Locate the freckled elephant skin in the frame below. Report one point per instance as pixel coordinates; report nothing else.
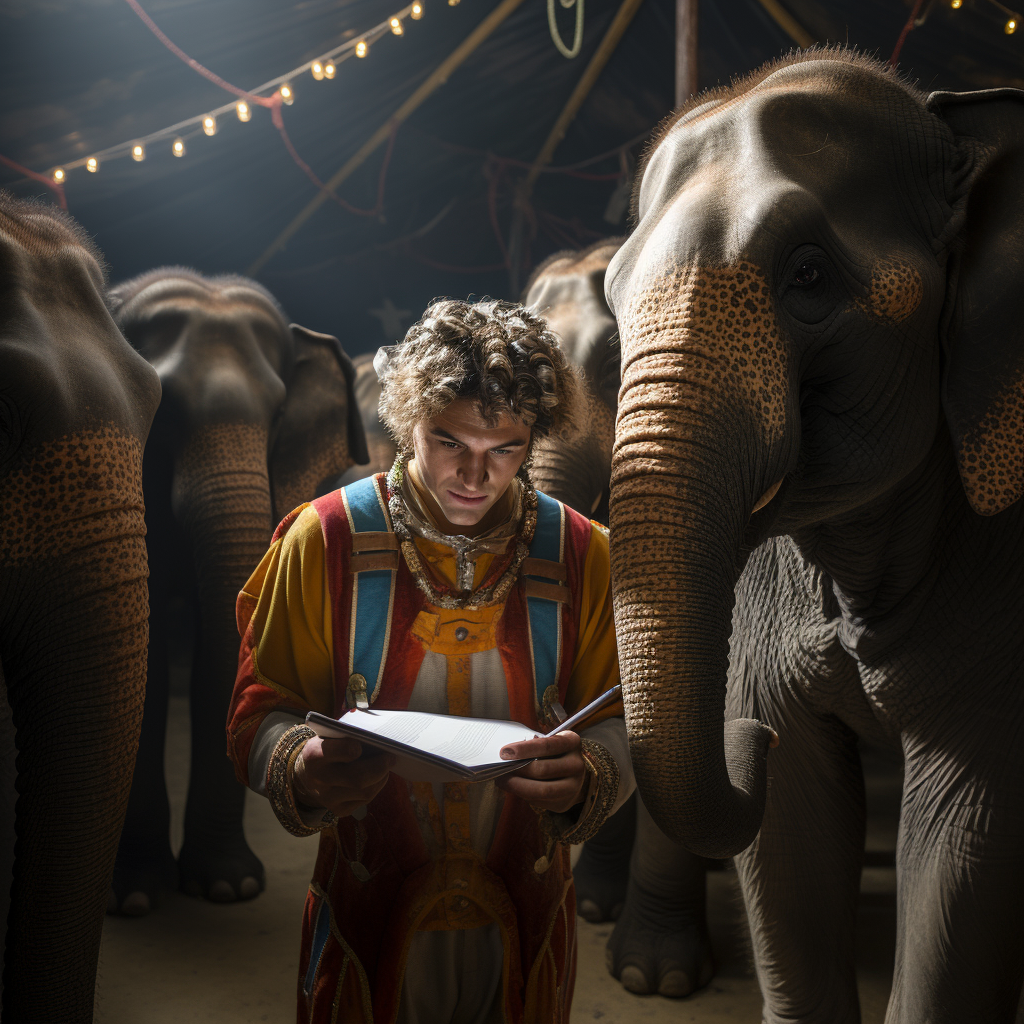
(655, 894)
(75, 406)
(821, 290)
(256, 416)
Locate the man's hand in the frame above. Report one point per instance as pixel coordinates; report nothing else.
(556, 783)
(331, 773)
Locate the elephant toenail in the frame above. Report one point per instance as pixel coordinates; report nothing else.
(675, 985)
(222, 892)
(136, 904)
(634, 980)
(248, 888)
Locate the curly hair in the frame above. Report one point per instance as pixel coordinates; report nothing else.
(498, 353)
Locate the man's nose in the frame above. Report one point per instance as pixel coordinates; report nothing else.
(474, 470)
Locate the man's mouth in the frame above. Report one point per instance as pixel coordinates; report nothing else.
(467, 499)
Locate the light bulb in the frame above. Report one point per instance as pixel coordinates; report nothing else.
(453, 3)
(287, 96)
(92, 165)
(956, 4)
(396, 26)
(417, 12)
(1010, 27)
(243, 110)
(329, 69)
(59, 175)
(178, 148)
(139, 151)
(210, 124)
(317, 70)
(361, 48)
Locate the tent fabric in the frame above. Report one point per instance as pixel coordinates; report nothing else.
(80, 75)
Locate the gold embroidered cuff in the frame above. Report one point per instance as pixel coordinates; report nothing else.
(603, 773)
(280, 772)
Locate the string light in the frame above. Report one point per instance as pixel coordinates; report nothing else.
(178, 149)
(396, 26)
(92, 165)
(453, 3)
(59, 175)
(317, 70)
(361, 48)
(329, 69)
(957, 4)
(210, 124)
(417, 11)
(287, 96)
(243, 110)
(1010, 27)
(139, 151)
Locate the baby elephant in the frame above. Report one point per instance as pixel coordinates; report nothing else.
(255, 415)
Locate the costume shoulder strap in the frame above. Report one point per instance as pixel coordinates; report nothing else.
(544, 575)
(373, 567)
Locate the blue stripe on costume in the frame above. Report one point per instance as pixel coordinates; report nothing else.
(321, 930)
(372, 591)
(546, 616)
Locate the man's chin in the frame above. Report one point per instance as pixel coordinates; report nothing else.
(465, 516)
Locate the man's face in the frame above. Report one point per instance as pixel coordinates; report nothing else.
(465, 464)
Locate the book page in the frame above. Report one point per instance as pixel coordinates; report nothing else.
(470, 742)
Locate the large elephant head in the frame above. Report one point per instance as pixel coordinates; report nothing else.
(567, 289)
(818, 302)
(76, 403)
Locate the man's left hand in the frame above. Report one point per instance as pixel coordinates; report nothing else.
(557, 782)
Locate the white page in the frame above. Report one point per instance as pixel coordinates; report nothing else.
(471, 742)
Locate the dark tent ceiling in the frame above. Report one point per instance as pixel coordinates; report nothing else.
(81, 75)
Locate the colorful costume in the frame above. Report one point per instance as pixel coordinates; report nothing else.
(437, 901)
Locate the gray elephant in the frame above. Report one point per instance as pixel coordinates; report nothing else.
(816, 517)
(255, 416)
(380, 446)
(629, 872)
(76, 404)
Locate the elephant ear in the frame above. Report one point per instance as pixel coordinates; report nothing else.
(319, 433)
(983, 377)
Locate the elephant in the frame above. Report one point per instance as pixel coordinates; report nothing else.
(816, 525)
(255, 416)
(629, 872)
(379, 443)
(76, 404)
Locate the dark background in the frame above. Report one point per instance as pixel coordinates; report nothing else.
(80, 75)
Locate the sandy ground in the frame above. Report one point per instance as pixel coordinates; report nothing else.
(196, 961)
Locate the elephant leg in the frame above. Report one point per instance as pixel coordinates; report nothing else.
(959, 863)
(145, 867)
(215, 861)
(660, 942)
(602, 871)
(801, 875)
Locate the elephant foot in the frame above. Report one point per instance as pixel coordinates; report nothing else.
(602, 872)
(137, 887)
(223, 874)
(659, 948)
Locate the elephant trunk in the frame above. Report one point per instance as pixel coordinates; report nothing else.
(221, 498)
(679, 505)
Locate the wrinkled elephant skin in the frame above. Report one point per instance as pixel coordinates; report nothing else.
(819, 320)
(75, 406)
(256, 417)
(654, 892)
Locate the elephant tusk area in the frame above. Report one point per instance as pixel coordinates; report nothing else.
(767, 496)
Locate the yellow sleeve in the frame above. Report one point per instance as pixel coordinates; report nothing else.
(293, 650)
(596, 665)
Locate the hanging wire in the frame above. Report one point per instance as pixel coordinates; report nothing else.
(556, 37)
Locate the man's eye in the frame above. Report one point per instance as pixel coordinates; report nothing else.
(501, 451)
(450, 444)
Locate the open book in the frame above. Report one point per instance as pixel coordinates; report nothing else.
(442, 748)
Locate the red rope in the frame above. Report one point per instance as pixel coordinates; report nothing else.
(54, 186)
(894, 59)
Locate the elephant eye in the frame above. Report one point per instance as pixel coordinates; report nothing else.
(805, 275)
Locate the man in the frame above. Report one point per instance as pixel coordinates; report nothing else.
(448, 586)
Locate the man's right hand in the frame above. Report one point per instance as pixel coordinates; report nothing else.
(331, 773)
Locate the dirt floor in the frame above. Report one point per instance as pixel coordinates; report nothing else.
(191, 960)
